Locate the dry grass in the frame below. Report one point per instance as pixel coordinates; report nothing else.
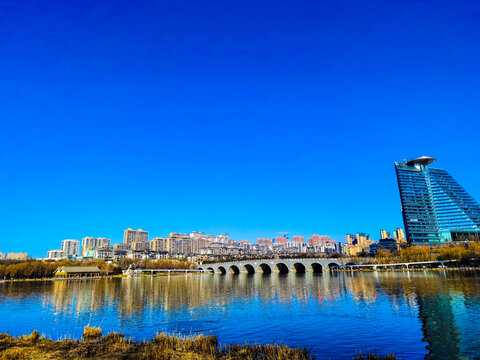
(162, 347)
(92, 333)
(115, 346)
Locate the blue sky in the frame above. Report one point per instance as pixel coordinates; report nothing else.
(245, 117)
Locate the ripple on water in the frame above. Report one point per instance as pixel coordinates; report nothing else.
(333, 315)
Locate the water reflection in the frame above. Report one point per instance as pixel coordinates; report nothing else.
(383, 311)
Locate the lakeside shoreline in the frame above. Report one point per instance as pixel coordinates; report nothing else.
(95, 345)
(93, 278)
(111, 277)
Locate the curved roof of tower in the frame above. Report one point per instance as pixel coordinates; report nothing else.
(424, 160)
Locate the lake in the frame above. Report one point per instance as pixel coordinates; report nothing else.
(415, 315)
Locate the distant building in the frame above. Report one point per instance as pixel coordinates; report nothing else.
(88, 255)
(350, 239)
(325, 240)
(198, 244)
(120, 246)
(93, 243)
(384, 234)
(400, 236)
(180, 244)
(314, 241)
(159, 244)
(388, 244)
(2, 256)
(435, 207)
(280, 240)
(139, 245)
(327, 245)
(197, 235)
(130, 236)
(298, 239)
(103, 254)
(17, 256)
(339, 247)
(358, 243)
(56, 255)
(71, 247)
(352, 250)
(222, 238)
(264, 242)
(363, 239)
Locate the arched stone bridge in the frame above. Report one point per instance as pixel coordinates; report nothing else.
(282, 266)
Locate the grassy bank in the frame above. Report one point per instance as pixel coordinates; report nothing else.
(94, 345)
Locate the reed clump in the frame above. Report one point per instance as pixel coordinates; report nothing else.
(92, 333)
(94, 345)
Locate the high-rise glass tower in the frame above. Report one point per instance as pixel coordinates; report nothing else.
(435, 207)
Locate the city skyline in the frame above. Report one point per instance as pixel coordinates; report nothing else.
(276, 236)
(139, 240)
(246, 118)
(84, 242)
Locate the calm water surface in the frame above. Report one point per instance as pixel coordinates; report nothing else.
(415, 315)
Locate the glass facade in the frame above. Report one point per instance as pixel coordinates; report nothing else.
(435, 208)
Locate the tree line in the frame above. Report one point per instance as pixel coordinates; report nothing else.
(33, 269)
(464, 252)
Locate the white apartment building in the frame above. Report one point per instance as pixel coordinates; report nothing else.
(71, 247)
(17, 256)
(222, 238)
(56, 255)
(197, 235)
(93, 243)
(130, 236)
(103, 254)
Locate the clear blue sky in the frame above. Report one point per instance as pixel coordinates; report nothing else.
(245, 117)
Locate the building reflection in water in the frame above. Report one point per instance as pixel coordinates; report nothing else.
(447, 303)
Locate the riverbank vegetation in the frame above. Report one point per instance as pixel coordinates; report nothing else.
(116, 346)
(33, 269)
(94, 345)
(464, 253)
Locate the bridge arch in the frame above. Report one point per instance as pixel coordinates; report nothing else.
(234, 269)
(299, 268)
(316, 268)
(331, 265)
(248, 269)
(221, 270)
(265, 268)
(281, 268)
(211, 270)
